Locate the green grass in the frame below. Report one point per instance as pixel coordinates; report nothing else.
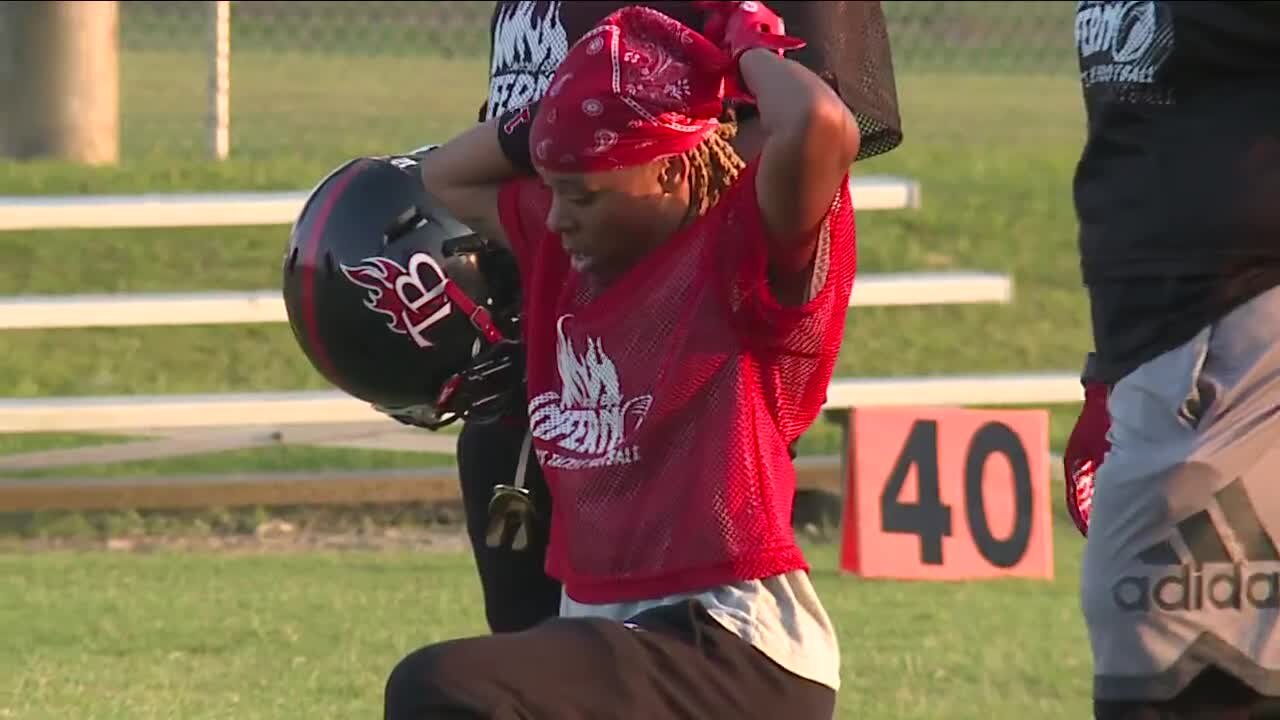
(196, 635)
(191, 636)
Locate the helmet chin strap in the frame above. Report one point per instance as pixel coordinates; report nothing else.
(480, 318)
(522, 468)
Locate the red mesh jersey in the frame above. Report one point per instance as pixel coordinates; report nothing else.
(662, 407)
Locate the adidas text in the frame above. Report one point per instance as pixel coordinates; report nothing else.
(1197, 588)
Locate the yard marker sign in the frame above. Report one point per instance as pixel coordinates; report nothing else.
(947, 494)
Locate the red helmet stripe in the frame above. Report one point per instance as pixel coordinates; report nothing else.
(311, 256)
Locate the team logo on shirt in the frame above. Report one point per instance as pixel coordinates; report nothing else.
(529, 43)
(589, 421)
(1123, 46)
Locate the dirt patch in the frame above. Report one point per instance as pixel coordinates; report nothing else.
(414, 527)
(425, 527)
(273, 537)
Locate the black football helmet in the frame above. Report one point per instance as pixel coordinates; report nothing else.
(399, 304)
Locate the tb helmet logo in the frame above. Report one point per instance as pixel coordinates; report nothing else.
(412, 298)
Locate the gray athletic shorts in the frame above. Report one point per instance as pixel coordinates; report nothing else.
(1181, 568)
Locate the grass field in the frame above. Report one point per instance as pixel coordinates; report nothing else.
(208, 635)
(200, 636)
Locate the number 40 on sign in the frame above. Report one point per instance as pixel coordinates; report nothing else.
(948, 494)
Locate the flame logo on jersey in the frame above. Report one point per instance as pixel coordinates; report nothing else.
(413, 299)
(589, 417)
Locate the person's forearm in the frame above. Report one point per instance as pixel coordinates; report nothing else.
(472, 159)
(464, 175)
(790, 98)
(810, 141)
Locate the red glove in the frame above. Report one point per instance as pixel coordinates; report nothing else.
(1085, 449)
(737, 27)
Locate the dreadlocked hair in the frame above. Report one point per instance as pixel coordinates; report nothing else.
(713, 167)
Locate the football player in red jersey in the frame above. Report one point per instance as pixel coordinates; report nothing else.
(528, 41)
(683, 307)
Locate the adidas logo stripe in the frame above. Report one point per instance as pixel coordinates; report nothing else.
(1194, 587)
(1206, 545)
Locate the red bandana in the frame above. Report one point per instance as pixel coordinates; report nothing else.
(637, 87)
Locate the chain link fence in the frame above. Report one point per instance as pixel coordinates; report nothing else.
(339, 78)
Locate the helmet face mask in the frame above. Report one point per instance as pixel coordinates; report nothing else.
(483, 392)
(397, 303)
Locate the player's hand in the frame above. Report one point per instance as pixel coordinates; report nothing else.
(737, 27)
(1086, 448)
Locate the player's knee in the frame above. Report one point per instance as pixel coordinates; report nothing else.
(431, 679)
(403, 696)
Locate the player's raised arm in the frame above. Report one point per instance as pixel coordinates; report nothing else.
(811, 140)
(465, 173)
(811, 137)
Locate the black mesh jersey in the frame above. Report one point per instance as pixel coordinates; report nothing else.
(848, 46)
(1177, 190)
